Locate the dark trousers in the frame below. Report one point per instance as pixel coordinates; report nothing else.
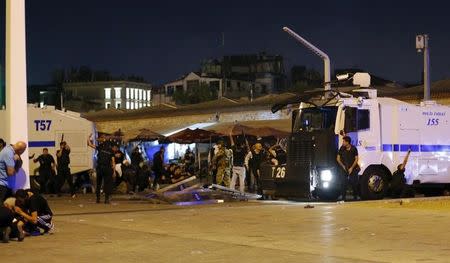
(351, 180)
(44, 179)
(104, 175)
(5, 192)
(157, 179)
(65, 175)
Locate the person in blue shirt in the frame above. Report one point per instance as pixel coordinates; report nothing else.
(9, 162)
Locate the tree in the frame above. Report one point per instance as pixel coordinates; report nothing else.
(305, 79)
(201, 93)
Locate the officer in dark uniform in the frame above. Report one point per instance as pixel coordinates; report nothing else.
(62, 156)
(105, 170)
(347, 158)
(46, 168)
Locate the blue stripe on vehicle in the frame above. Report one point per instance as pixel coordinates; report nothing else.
(415, 148)
(387, 147)
(370, 148)
(41, 144)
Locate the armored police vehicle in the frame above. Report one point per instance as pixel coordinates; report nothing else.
(382, 129)
(47, 127)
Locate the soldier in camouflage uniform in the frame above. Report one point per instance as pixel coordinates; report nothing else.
(223, 163)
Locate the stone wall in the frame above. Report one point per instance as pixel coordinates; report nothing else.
(168, 124)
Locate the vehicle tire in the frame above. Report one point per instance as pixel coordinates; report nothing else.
(373, 183)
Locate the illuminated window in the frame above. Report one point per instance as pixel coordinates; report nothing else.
(128, 105)
(117, 104)
(136, 94)
(107, 105)
(107, 93)
(131, 93)
(118, 92)
(141, 93)
(148, 95)
(140, 105)
(127, 91)
(136, 105)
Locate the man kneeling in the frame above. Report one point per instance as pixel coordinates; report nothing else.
(10, 227)
(35, 211)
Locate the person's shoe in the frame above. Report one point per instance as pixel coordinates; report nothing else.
(74, 196)
(35, 233)
(21, 236)
(6, 232)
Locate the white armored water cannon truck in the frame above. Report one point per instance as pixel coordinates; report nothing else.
(382, 129)
(47, 127)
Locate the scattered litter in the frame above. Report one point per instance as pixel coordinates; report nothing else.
(81, 205)
(372, 234)
(196, 252)
(81, 220)
(344, 228)
(127, 220)
(309, 206)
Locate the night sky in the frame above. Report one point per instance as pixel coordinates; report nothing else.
(162, 40)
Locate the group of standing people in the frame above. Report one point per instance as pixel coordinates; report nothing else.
(53, 175)
(227, 165)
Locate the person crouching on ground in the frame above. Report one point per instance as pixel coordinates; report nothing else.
(10, 227)
(35, 211)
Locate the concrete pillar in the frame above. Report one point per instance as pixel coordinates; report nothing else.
(16, 85)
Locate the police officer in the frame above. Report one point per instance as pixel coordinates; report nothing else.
(46, 168)
(63, 158)
(105, 169)
(347, 158)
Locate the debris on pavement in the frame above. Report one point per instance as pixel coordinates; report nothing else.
(309, 206)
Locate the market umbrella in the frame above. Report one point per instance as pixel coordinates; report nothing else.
(142, 135)
(270, 131)
(234, 129)
(188, 136)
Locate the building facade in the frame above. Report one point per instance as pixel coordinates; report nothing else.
(110, 94)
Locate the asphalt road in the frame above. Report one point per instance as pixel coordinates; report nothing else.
(137, 231)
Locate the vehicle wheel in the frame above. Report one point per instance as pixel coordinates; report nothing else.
(373, 184)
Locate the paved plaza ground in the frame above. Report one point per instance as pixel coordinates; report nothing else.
(259, 231)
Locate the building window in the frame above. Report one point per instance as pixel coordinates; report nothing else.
(118, 104)
(127, 91)
(132, 94)
(191, 84)
(127, 105)
(107, 93)
(140, 105)
(149, 95)
(141, 97)
(118, 93)
(107, 105)
(169, 90)
(136, 94)
(229, 86)
(136, 105)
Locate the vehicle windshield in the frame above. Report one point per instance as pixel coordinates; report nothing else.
(315, 119)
